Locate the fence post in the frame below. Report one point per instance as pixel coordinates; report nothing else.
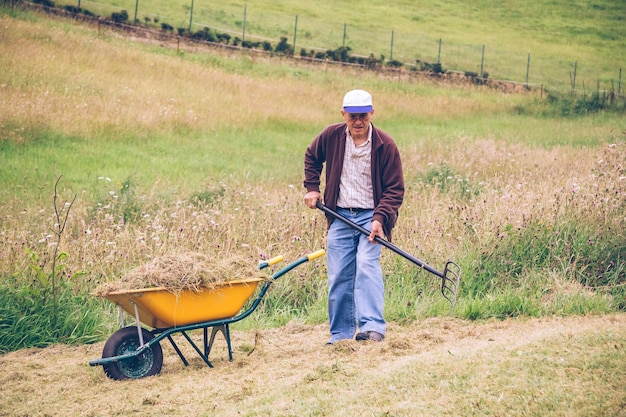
(191, 16)
(391, 48)
(344, 35)
(619, 83)
(136, 7)
(439, 53)
(527, 69)
(295, 30)
(574, 79)
(482, 61)
(243, 35)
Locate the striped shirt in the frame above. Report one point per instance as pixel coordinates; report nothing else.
(355, 186)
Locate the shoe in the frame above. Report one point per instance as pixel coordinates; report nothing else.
(371, 335)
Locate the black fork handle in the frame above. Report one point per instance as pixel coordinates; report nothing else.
(380, 240)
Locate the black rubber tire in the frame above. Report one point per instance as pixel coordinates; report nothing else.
(125, 341)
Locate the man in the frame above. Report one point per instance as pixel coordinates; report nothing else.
(364, 183)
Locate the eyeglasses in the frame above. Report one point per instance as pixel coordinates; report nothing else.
(355, 116)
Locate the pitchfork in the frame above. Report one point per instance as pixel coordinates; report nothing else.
(450, 277)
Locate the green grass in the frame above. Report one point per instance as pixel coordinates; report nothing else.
(30, 318)
(557, 34)
(202, 151)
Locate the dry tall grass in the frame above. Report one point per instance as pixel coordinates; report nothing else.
(260, 223)
(76, 81)
(98, 86)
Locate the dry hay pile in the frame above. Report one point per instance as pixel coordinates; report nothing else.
(186, 271)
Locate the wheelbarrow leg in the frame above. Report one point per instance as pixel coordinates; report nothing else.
(203, 355)
(226, 332)
(177, 349)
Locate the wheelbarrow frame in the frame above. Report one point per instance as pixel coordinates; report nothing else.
(146, 346)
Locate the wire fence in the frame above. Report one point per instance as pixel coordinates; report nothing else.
(309, 35)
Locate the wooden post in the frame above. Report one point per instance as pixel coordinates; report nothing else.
(191, 16)
(482, 61)
(243, 36)
(527, 69)
(295, 30)
(439, 53)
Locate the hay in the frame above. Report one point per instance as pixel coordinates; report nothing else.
(186, 271)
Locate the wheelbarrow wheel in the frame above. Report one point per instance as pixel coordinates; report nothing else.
(126, 341)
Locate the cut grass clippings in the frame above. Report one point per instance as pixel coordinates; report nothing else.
(186, 271)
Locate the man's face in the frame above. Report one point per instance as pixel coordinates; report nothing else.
(358, 123)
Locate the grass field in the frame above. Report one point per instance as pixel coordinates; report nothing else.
(558, 35)
(115, 150)
(560, 366)
(203, 151)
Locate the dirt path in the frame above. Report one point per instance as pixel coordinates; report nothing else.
(434, 367)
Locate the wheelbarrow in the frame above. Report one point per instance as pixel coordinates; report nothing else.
(450, 277)
(135, 352)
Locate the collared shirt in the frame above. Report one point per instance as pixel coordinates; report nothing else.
(355, 187)
(326, 152)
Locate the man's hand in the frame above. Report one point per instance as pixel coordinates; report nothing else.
(377, 230)
(311, 198)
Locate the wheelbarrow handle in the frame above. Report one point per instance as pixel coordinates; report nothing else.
(280, 258)
(316, 254)
(378, 239)
(299, 261)
(272, 261)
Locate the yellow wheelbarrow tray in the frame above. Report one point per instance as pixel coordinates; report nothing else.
(135, 352)
(160, 308)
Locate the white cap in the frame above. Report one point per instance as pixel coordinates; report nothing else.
(357, 101)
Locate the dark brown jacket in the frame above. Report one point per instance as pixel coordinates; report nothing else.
(387, 178)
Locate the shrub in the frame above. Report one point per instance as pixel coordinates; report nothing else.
(72, 9)
(120, 17)
(572, 104)
(208, 35)
(428, 67)
(46, 3)
(395, 63)
(283, 47)
(223, 38)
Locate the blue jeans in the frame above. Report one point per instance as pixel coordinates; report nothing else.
(355, 278)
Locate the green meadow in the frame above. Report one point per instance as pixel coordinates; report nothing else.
(115, 150)
(557, 44)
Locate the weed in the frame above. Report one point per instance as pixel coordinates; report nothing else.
(447, 181)
(207, 197)
(40, 305)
